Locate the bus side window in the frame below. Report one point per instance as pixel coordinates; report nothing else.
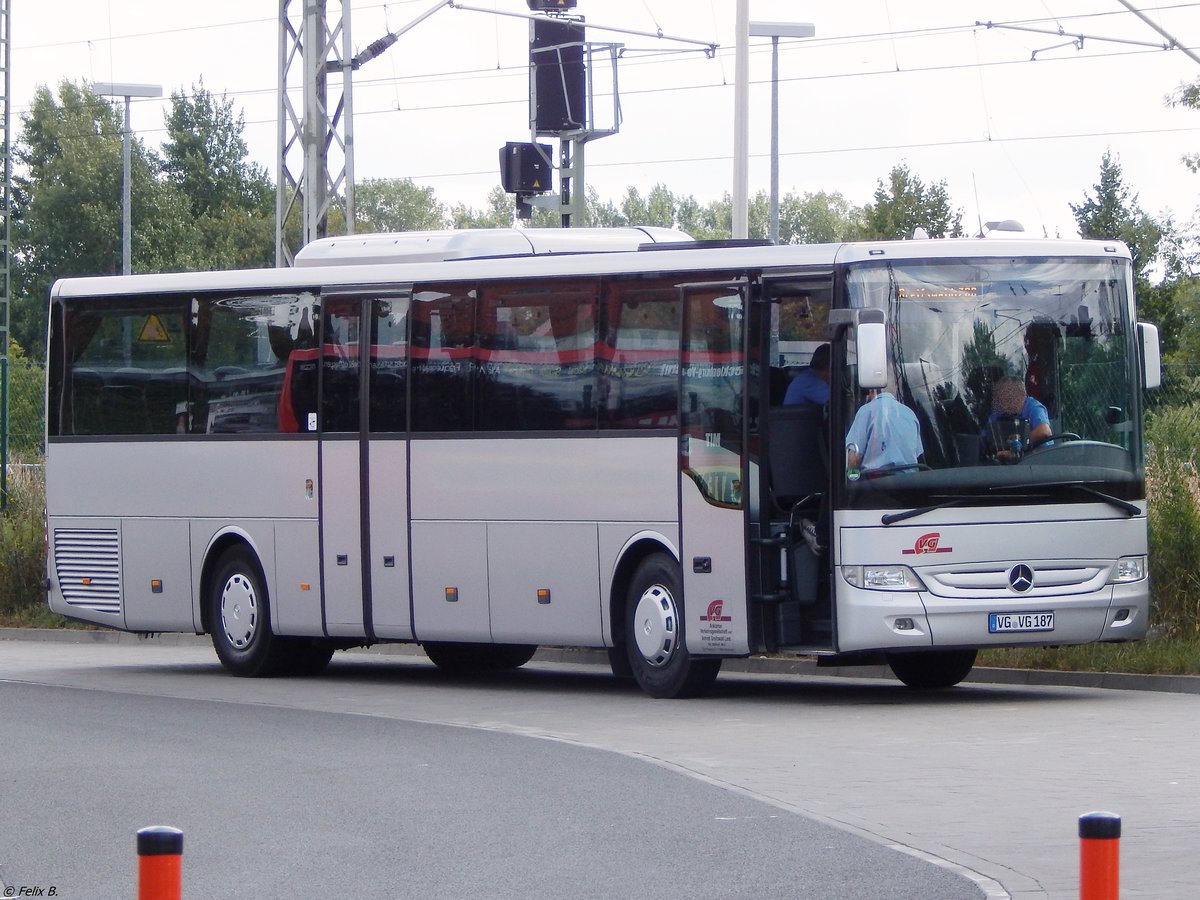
(126, 374)
(340, 377)
(389, 365)
(535, 361)
(442, 370)
(639, 354)
(246, 367)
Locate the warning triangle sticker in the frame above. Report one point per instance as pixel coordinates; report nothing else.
(153, 331)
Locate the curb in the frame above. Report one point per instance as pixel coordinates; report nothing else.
(755, 665)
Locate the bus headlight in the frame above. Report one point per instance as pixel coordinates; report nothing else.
(883, 578)
(1127, 569)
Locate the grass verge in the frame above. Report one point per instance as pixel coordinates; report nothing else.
(1152, 656)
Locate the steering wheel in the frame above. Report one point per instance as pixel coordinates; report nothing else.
(892, 470)
(1065, 436)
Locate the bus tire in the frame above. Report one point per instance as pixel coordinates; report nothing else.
(466, 657)
(932, 669)
(306, 656)
(618, 661)
(654, 634)
(241, 618)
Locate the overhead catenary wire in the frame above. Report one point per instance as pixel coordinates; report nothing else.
(1174, 42)
(882, 72)
(845, 40)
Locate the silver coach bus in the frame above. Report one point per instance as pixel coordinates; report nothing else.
(483, 442)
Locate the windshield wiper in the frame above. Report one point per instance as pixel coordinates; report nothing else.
(1124, 505)
(891, 518)
(1036, 489)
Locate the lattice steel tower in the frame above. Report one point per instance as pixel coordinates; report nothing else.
(316, 143)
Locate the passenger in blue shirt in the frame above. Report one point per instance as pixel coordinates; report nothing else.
(885, 434)
(811, 386)
(1009, 400)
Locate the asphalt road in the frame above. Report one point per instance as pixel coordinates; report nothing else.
(288, 803)
(978, 788)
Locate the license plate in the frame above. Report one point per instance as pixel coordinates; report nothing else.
(1009, 623)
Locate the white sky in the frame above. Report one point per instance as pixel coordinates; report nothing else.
(884, 81)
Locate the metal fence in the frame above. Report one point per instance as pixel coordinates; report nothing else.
(26, 409)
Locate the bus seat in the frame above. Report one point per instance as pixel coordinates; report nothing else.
(968, 447)
(123, 403)
(166, 392)
(798, 461)
(87, 387)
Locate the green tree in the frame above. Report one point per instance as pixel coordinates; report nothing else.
(904, 203)
(601, 213)
(817, 218)
(661, 207)
(634, 209)
(711, 222)
(499, 212)
(232, 200)
(396, 204)
(1113, 212)
(205, 156)
(1187, 96)
(67, 204)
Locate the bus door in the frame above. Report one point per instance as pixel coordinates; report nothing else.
(363, 467)
(713, 471)
(789, 443)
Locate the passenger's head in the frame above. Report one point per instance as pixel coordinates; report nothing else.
(819, 362)
(1008, 395)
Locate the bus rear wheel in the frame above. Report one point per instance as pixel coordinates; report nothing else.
(455, 657)
(931, 669)
(240, 618)
(654, 634)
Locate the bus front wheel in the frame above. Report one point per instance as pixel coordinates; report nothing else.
(931, 669)
(306, 656)
(654, 634)
(240, 617)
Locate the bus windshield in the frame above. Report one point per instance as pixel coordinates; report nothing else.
(1021, 374)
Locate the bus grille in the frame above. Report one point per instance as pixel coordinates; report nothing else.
(88, 565)
(984, 582)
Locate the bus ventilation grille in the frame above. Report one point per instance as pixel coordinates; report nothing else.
(88, 565)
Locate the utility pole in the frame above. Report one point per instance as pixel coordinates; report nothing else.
(128, 91)
(5, 245)
(6, 188)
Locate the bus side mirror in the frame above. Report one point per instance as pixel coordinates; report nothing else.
(872, 355)
(870, 342)
(1151, 354)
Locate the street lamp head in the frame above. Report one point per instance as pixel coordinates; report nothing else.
(126, 89)
(783, 29)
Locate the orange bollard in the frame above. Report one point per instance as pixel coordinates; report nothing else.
(1099, 856)
(160, 863)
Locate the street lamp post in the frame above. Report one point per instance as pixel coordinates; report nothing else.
(776, 30)
(111, 89)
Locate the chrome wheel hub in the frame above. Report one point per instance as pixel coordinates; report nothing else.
(239, 611)
(656, 626)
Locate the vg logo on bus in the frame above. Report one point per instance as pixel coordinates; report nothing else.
(928, 543)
